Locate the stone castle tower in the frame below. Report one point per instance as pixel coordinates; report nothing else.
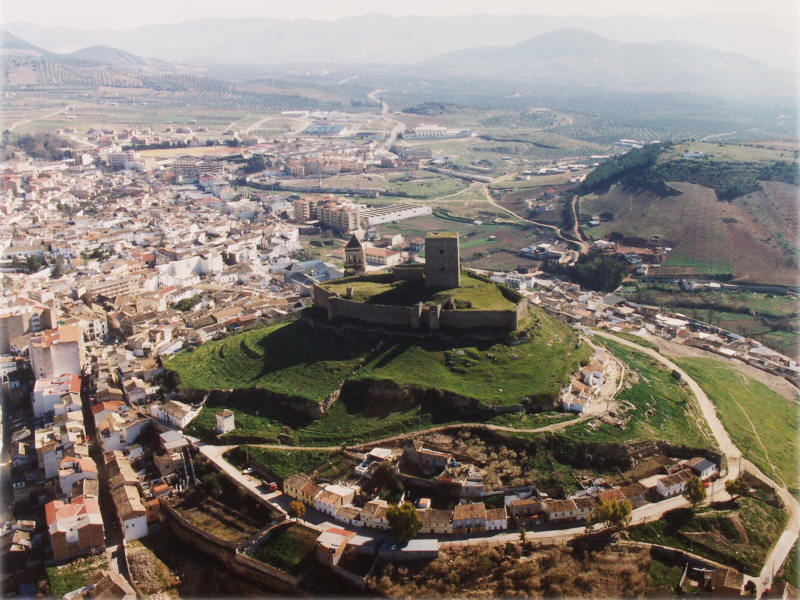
(442, 261)
(354, 258)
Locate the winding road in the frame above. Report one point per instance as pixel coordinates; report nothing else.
(583, 245)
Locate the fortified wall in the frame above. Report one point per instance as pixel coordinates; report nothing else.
(420, 316)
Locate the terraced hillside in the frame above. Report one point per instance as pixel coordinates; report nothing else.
(388, 386)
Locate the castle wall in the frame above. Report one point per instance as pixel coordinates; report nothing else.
(408, 272)
(370, 313)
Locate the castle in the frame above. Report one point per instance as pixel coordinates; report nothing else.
(429, 296)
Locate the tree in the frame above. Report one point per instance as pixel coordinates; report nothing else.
(297, 509)
(695, 492)
(34, 263)
(736, 487)
(615, 514)
(404, 521)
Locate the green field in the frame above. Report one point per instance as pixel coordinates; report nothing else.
(677, 417)
(491, 373)
(761, 422)
(663, 579)
(741, 536)
(319, 463)
(424, 185)
(472, 294)
(290, 549)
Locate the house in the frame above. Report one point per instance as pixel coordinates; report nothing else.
(469, 518)
(673, 485)
(300, 487)
(436, 521)
(73, 469)
(172, 441)
(561, 511)
(108, 585)
(124, 486)
(57, 351)
(332, 497)
(48, 391)
(118, 430)
(174, 413)
(635, 493)
(75, 528)
(702, 467)
(426, 462)
(225, 421)
(331, 544)
(496, 519)
(612, 495)
(726, 583)
(349, 514)
(374, 514)
(584, 507)
(130, 511)
(527, 511)
(169, 463)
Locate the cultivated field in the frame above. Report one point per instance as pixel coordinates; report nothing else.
(747, 237)
(316, 463)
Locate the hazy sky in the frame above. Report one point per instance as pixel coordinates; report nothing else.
(114, 14)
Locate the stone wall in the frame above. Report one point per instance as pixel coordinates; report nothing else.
(418, 316)
(408, 272)
(339, 308)
(442, 262)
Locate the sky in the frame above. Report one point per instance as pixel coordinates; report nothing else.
(111, 14)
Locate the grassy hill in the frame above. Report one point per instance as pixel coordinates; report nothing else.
(760, 421)
(388, 390)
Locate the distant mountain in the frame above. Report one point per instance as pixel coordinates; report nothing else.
(574, 56)
(30, 66)
(106, 55)
(405, 40)
(10, 43)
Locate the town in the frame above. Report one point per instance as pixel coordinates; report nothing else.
(112, 263)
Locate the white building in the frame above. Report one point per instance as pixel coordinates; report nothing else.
(174, 413)
(47, 392)
(332, 497)
(57, 351)
(674, 484)
(225, 421)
